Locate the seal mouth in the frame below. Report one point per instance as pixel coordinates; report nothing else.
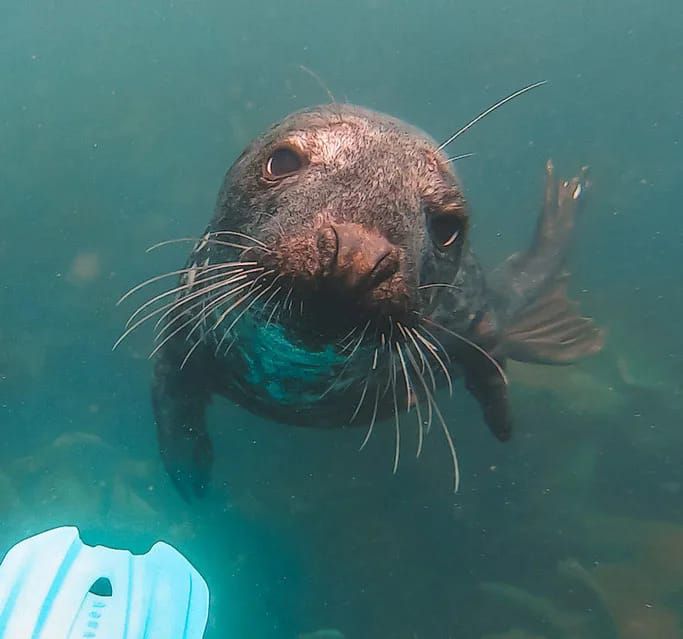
(328, 313)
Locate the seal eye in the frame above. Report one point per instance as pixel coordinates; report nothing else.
(444, 228)
(283, 161)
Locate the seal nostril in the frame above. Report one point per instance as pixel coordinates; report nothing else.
(385, 267)
(328, 248)
(335, 256)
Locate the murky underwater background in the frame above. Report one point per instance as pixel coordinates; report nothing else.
(117, 122)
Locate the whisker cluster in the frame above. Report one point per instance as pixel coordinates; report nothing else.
(409, 363)
(208, 293)
(405, 365)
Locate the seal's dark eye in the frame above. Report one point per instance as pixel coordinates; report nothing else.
(444, 228)
(283, 162)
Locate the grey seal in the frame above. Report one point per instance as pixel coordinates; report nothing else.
(335, 285)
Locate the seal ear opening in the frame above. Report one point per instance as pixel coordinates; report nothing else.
(551, 330)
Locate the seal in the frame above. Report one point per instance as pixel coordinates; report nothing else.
(335, 286)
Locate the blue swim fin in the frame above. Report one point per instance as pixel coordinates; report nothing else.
(53, 586)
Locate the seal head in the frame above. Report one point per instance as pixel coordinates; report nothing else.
(353, 206)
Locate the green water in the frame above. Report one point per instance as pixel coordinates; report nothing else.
(117, 122)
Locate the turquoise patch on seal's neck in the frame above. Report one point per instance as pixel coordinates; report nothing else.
(284, 370)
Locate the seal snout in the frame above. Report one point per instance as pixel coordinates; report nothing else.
(356, 259)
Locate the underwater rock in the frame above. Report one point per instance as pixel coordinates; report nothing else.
(643, 589)
(592, 621)
(578, 389)
(636, 594)
(82, 480)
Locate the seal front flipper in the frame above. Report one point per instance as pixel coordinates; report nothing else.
(179, 398)
(488, 385)
(484, 375)
(548, 331)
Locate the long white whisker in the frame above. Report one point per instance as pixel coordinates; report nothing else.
(397, 429)
(201, 318)
(186, 286)
(349, 357)
(451, 443)
(410, 391)
(270, 298)
(178, 304)
(360, 401)
(156, 278)
(425, 365)
(462, 156)
(272, 313)
(289, 295)
(449, 439)
(251, 304)
(365, 388)
(230, 308)
(420, 376)
(199, 240)
(346, 341)
(149, 316)
(189, 353)
(221, 299)
(372, 421)
(207, 310)
(237, 234)
(244, 310)
(233, 306)
(198, 321)
(424, 286)
(386, 346)
(432, 349)
(492, 108)
(470, 343)
(442, 348)
(406, 379)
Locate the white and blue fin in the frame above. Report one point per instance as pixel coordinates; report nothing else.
(53, 586)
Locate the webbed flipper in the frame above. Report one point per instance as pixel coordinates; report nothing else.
(524, 275)
(540, 323)
(551, 330)
(180, 394)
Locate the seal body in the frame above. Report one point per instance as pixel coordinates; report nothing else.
(335, 285)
